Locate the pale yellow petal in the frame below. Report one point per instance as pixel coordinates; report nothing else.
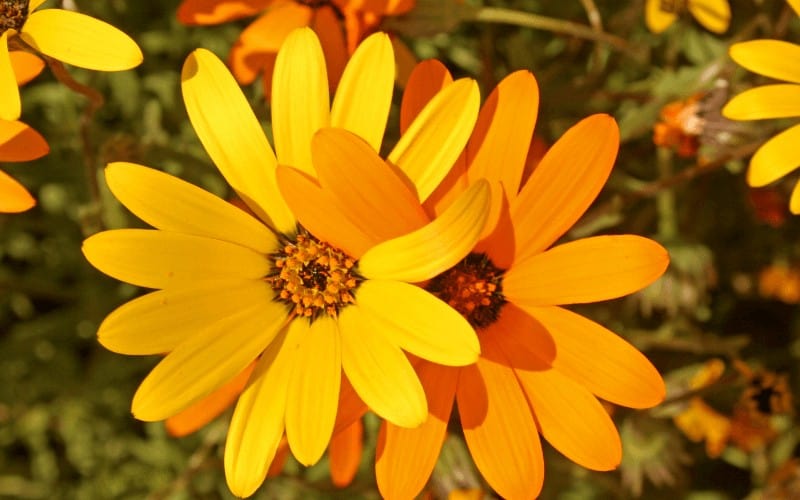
(80, 40)
(776, 158)
(364, 96)
(379, 371)
(714, 15)
(161, 259)
(314, 390)
(768, 101)
(10, 104)
(773, 58)
(207, 360)
(233, 137)
(300, 100)
(436, 137)
(434, 248)
(158, 322)
(417, 321)
(168, 203)
(258, 421)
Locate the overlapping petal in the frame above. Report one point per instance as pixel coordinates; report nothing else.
(26, 66)
(80, 40)
(714, 15)
(232, 136)
(657, 20)
(768, 101)
(345, 452)
(418, 322)
(10, 104)
(13, 195)
(19, 142)
(772, 58)
(776, 158)
(426, 80)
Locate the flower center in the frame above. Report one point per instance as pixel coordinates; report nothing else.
(473, 287)
(672, 6)
(312, 277)
(12, 14)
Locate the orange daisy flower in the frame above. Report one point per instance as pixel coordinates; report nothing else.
(542, 367)
(18, 142)
(340, 25)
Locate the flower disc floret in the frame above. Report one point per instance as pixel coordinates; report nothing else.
(313, 277)
(12, 14)
(473, 287)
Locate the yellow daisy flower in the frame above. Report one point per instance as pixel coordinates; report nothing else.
(780, 60)
(713, 15)
(233, 288)
(70, 37)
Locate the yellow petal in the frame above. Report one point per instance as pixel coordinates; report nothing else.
(795, 4)
(10, 105)
(772, 58)
(794, 201)
(14, 197)
(657, 20)
(591, 355)
(586, 270)
(434, 140)
(168, 203)
(714, 15)
(34, 4)
(300, 101)
(207, 360)
(158, 322)
(80, 40)
(571, 419)
(426, 80)
(418, 322)
(434, 248)
(160, 259)
(379, 371)
(232, 136)
(364, 96)
(768, 101)
(258, 420)
(314, 390)
(776, 158)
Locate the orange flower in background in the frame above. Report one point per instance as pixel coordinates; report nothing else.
(340, 25)
(18, 142)
(680, 126)
(541, 366)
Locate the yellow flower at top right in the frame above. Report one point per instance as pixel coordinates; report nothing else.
(780, 60)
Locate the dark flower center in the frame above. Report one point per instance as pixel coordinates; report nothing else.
(672, 6)
(13, 14)
(312, 277)
(473, 287)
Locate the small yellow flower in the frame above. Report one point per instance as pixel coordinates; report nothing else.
(70, 37)
(316, 314)
(714, 15)
(780, 60)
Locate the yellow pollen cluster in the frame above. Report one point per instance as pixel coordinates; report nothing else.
(313, 277)
(470, 292)
(12, 14)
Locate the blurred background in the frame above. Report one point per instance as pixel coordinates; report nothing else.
(722, 325)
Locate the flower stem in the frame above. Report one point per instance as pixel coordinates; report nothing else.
(535, 21)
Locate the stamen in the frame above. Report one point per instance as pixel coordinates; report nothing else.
(472, 287)
(312, 277)
(13, 14)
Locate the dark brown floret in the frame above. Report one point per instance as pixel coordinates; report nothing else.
(13, 14)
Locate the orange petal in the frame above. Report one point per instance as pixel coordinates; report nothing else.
(318, 212)
(569, 416)
(405, 457)
(367, 190)
(281, 456)
(499, 427)
(210, 407)
(499, 144)
(564, 184)
(586, 270)
(26, 66)
(329, 29)
(427, 78)
(258, 44)
(19, 142)
(406, 61)
(205, 12)
(13, 196)
(351, 408)
(592, 355)
(345, 453)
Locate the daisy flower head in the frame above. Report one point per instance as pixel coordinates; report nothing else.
(713, 15)
(542, 367)
(317, 316)
(774, 59)
(67, 36)
(18, 142)
(340, 24)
